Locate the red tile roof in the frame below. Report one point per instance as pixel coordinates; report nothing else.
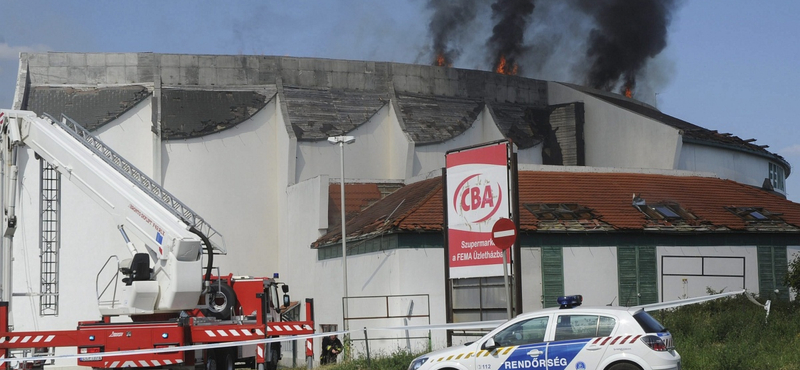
(391, 212)
(418, 207)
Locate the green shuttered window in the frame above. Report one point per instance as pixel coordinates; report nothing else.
(772, 268)
(638, 275)
(552, 275)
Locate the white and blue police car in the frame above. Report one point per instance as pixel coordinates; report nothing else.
(565, 338)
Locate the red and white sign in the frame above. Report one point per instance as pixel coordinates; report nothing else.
(504, 233)
(477, 196)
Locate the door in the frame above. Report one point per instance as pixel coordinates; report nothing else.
(574, 341)
(519, 346)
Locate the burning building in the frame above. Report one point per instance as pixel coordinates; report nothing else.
(242, 139)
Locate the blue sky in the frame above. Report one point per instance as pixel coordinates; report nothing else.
(729, 65)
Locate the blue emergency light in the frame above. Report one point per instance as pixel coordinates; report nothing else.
(570, 301)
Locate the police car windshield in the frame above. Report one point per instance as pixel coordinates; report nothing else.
(648, 323)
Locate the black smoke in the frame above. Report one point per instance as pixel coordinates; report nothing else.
(449, 22)
(507, 41)
(604, 44)
(626, 36)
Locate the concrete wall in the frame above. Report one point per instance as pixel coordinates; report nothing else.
(531, 279)
(687, 261)
(417, 272)
(379, 139)
(597, 281)
(615, 137)
(741, 167)
(431, 157)
(233, 180)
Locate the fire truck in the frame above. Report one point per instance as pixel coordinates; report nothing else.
(176, 312)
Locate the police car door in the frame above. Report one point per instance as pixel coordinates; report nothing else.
(574, 340)
(519, 346)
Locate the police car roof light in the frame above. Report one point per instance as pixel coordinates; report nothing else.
(570, 301)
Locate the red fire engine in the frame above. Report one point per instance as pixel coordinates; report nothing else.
(171, 299)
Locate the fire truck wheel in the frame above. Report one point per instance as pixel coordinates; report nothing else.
(273, 362)
(223, 301)
(211, 361)
(225, 359)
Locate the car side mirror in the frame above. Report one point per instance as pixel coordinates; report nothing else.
(286, 300)
(489, 344)
(285, 288)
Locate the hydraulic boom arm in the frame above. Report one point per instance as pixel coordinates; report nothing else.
(173, 235)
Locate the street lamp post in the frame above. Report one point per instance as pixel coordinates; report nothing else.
(341, 140)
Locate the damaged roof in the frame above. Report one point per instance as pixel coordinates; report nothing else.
(89, 106)
(690, 132)
(202, 94)
(595, 202)
(392, 213)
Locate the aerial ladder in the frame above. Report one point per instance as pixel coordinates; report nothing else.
(173, 299)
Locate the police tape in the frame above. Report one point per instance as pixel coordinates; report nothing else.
(171, 349)
(195, 347)
(687, 301)
(450, 326)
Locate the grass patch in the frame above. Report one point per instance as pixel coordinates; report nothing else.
(398, 360)
(733, 333)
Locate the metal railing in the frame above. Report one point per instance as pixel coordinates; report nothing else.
(114, 280)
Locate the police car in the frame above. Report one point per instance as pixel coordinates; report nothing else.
(569, 337)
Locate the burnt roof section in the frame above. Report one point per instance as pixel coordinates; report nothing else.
(193, 113)
(607, 195)
(91, 107)
(359, 197)
(322, 97)
(317, 113)
(434, 119)
(392, 213)
(520, 122)
(690, 131)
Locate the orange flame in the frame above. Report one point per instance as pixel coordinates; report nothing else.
(441, 61)
(504, 68)
(628, 93)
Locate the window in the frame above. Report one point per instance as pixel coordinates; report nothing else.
(755, 214)
(648, 323)
(566, 216)
(560, 211)
(777, 177)
(584, 326)
(524, 332)
(664, 211)
(479, 299)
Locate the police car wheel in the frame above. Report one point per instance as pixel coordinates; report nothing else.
(624, 366)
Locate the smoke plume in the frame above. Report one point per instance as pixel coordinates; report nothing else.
(449, 21)
(506, 43)
(604, 44)
(626, 36)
